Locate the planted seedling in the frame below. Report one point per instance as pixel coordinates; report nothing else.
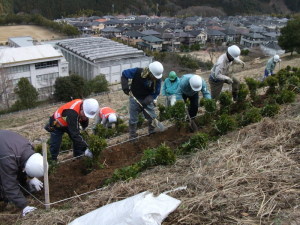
(252, 115)
(225, 99)
(286, 96)
(270, 110)
(272, 83)
(225, 124)
(252, 86)
(197, 141)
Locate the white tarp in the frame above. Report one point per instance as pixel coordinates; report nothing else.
(140, 209)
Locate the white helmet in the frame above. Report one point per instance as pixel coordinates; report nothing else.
(196, 82)
(234, 51)
(156, 68)
(34, 166)
(90, 107)
(276, 58)
(112, 118)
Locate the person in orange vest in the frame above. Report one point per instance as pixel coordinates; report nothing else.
(107, 117)
(67, 118)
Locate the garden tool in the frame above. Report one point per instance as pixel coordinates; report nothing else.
(159, 127)
(192, 124)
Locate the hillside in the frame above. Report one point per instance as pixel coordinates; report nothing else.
(58, 8)
(250, 176)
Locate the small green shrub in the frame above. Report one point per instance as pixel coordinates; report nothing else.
(209, 105)
(66, 143)
(225, 99)
(125, 173)
(245, 52)
(272, 83)
(286, 96)
(294, 84)
(282, 78)
(197, 141)
(178, 113)
(270, 110)
(225, 124)
(162, 155)
(242, 93)
(252, 115)
(252, 86)
(96, 145)
(141, 120)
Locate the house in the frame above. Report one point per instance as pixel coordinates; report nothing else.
(200, 36)
(170, 43)
(151, 42)
(231, 35)
(111, 32)
(271, 48)
(214, 36)
(132, 37)
(185, 38)
(40, 64)
(151, 33)
(252, 40)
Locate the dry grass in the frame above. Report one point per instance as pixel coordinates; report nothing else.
(250, 176)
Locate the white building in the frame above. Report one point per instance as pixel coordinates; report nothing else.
(92, 56)
(41, 64)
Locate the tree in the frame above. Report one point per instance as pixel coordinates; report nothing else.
(71, 87)
(27, 94)
(98, 84)
(5, 86)
(289, 39)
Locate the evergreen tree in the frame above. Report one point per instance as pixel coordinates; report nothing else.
(98, 84)
(27, 94)
(289, 39)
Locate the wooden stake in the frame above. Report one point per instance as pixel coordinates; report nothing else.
(46, 180)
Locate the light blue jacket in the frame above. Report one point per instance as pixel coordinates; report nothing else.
(185, 87)
(170, 88)
(270, 65)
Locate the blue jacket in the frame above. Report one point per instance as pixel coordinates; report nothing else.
(185, 87)
(131, 73)
(170, 88)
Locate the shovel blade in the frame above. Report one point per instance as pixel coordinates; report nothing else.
(159, 127)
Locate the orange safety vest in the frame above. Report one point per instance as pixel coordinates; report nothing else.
(75, 105)
(105, 112)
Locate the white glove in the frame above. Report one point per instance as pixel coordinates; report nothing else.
(27, 210)
(36, 183)
(88, 153)
(155, 102)
(229, 81)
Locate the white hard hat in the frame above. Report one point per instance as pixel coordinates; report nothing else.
(34, 166)
(90, 107)
(234, 51)
(276, 58)
(196, 82)
(112, 118)
(156, 68)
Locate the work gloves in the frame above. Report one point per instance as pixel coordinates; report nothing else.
(88, 153)
(35, 184)
(228, 81)
(126, 91)
(27, 210)
(148, 100)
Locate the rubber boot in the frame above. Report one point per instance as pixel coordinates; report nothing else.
(151, 128)
(132, 131)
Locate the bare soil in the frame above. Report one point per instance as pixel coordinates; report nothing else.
(36, 32)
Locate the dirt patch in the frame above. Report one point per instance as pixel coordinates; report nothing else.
(71, 178)
(36, 32)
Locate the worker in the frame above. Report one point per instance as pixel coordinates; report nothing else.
(170, 87)
(19, 166)
(145, 87)
(107, 117)
(271, 65)
(189, 87)
(220, 72)
(67, 118)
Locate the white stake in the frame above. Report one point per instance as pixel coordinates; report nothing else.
(46, 180)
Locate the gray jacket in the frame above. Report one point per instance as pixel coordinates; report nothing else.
(14, 152)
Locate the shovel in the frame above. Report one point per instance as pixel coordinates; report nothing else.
(159, 127)
(192, 124)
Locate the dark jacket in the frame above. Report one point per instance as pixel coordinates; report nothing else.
(14, 152)
(140, 87)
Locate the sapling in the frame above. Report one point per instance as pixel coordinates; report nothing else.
(294, 84)
(272, 83)
(178, 113)
(197, 141)
(270, 110)
(252, 115)
(210, 110)
(225, 124)
(242, 103)
(96, 145)
(286, 96)
(225, 99)
(252, 86)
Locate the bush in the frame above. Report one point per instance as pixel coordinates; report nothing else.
(66, 143)
(225, 124)
(252, 115)
(96, 145)
(98, 84)
(272, 83)
(252, 86)
(197, 141)
(286, 96)
(209, 105)
(225, 99)
(245, 52)
(178, 113)
(125, 173)
(294, 84)
(270, 110)
(162, 155)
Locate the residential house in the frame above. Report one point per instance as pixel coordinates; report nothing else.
(132, 37)
(252, 40)
(185, 38)
(171, 43)
(215, 36)
(111, 32)
(271, 48)
(151, 32)
(200, 36)
(151, 43)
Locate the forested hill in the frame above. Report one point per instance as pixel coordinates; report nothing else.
(57, 8)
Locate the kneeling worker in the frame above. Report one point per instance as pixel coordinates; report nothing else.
(17, 161)
(107, 117)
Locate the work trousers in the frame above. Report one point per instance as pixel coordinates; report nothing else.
(194, 103)
(134, 110)
(216, 87)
